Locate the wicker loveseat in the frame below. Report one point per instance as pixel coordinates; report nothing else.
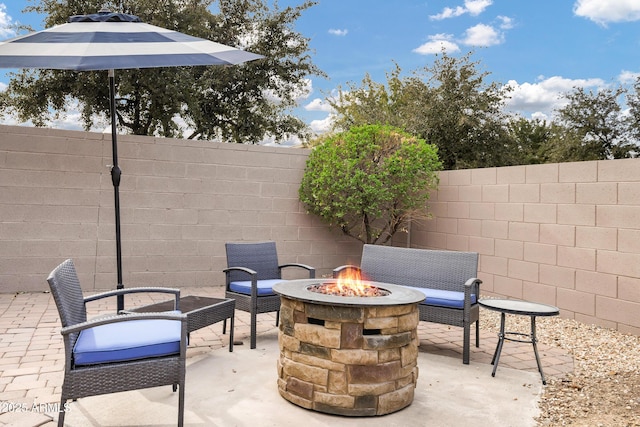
(447, 278)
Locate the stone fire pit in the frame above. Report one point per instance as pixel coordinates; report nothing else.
(353, 356)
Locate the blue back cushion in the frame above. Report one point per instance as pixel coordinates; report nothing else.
(132, 340)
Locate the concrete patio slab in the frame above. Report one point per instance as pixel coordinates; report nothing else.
(239, 389)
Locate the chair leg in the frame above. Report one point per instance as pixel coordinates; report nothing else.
(277, 317)
(224, 326)
(466, 342)
(231, 325)
(61, 411)
(181, 405)
(477, 333)
(253, 329)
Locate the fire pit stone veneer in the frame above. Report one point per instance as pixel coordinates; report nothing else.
(351, 356)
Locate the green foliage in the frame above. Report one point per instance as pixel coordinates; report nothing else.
(369, 181)
(242, 103)
(448, 104)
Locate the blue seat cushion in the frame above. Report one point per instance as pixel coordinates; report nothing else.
(132, 340)
(264, 286)
(441, 298)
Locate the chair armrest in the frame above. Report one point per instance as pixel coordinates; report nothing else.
(242, 269)
(471, 286)
(312, 271)
(122, 318)
(338, 270)
(125, 291)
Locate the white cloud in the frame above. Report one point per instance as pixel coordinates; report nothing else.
(472, 7)
(506, 22)
(628, 77)
(336, 32)
(482, 35)
(605, 11)
(318, 104)
(539, 99)
(436, 44)
(5, 23)
(322, 126)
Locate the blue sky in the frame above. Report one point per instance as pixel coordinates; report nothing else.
(541, 49)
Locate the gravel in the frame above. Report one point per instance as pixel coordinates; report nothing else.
(603, 390)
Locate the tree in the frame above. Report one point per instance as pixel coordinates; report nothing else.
(599, 129)
(369, 181)
(448, 104)
(242, 103)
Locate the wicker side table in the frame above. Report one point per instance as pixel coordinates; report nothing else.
(200, 311)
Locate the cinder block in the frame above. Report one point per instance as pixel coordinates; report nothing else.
(537, 292)
(621, 216)
(512, 249)
(523, 270)
(483, 246)
(598, 238)
(495, 229)
(509, 212)
(617, 310)
(511, 175)
(540, 253)
(561, 277)
(597, 283)
(599, 193)
(628, 289)
(576, 301)
(577, 214)
(545, 213)
(495, 193)
(579, 258)
(558, 193)
(524, 193)
(619, 263)
(558, 234)
(483, 176)
(482, 211)
(629, 193)
(523, 231)
(542, 173)
(578, 172)
(508, 286)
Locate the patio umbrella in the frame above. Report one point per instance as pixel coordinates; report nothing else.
(111, 41)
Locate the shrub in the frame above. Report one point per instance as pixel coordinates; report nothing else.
(370, 181)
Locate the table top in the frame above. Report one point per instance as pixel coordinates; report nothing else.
(187, 303)
(525, 308)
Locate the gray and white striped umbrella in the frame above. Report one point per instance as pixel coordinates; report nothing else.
(107, 41)
(110, 41)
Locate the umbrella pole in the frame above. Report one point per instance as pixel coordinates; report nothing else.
(115, 179)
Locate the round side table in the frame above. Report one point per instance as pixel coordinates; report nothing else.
(520, 308)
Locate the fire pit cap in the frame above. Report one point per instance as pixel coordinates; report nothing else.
(297, 289)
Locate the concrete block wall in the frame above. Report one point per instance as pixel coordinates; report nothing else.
(564, 234)
(180, 202)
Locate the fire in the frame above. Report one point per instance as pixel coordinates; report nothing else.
(350, 283)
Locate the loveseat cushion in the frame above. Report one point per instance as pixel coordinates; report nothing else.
(264, 286)
(441, 298)
(132, 340)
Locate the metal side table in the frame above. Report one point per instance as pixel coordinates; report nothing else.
(521, 308)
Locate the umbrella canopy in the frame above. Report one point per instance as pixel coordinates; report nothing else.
(110, 41)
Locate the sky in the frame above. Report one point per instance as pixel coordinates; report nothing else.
(541, 49)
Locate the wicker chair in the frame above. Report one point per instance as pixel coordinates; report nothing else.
(116, 353)
(448, 279)
(252, 271)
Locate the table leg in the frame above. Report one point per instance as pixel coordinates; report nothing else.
(496, 355)
(534, 340)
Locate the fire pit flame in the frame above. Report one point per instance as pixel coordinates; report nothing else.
(350, 283)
